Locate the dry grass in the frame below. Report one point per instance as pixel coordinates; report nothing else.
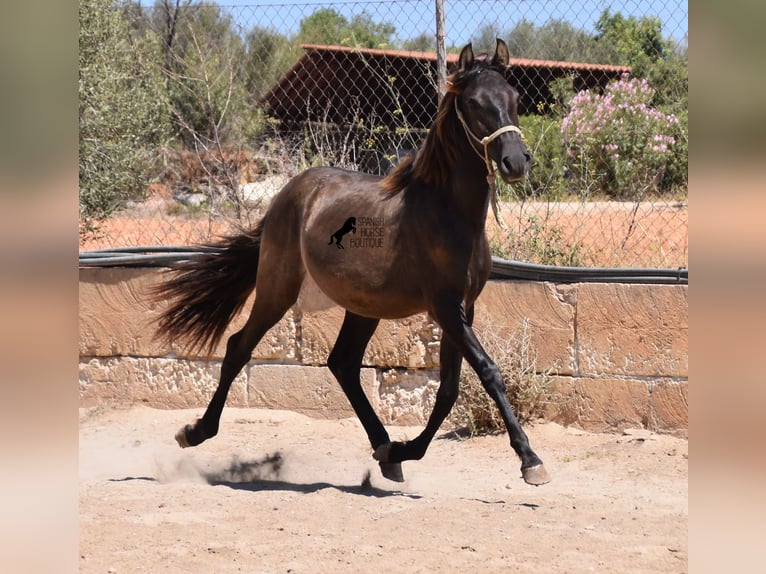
(530, 392)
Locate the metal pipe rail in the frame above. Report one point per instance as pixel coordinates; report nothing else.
(502, 269)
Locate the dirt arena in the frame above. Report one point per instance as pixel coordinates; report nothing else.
(278, 492)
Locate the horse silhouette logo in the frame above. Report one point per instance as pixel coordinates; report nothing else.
(337, 237)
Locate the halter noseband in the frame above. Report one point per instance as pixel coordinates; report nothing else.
(485, 141)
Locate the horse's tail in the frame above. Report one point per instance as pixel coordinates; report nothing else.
(207, 292)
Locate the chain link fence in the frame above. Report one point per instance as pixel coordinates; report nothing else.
(261, 92)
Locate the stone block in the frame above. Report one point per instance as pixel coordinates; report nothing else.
(309, 390)
(632, 330)
(154, 382)
(600, 405)
(407, 396)
(669, 406)
(505, 307)
(117, 317)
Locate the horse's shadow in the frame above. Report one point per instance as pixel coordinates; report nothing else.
(264, 475)
(266, 485)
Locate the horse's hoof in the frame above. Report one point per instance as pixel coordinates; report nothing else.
(392, 471)
(535, 475)
(181, 437)
(382, 452)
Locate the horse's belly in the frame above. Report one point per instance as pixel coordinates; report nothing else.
(360, 294)
(362, 299)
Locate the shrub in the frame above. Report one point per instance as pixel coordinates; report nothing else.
(618, 141)
(542, 134)
(536, 240)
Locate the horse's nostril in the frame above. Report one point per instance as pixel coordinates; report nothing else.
(527, 157)
(511, 167)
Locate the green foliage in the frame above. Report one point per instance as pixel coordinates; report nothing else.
(327, 26)
(640, 44)
(629, 40)
(421, 43)
(555, 40)
(122, 110)
(269, 56)
(542, 135)
(204, 63)
(536, 239)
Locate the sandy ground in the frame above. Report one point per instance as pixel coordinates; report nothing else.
(279, 492)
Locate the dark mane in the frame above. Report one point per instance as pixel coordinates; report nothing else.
(431, 164)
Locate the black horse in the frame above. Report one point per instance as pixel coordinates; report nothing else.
(435, 258)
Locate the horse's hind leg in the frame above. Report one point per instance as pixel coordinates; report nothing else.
(450, 361)
(345, 361)
(273, 298)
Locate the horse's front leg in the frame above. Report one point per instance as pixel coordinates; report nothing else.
(449, 312)
(532, 469)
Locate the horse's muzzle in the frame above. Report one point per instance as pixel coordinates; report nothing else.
(514, 167)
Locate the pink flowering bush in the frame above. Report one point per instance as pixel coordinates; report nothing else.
(616, 144)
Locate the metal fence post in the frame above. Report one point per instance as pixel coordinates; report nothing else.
(441, 50)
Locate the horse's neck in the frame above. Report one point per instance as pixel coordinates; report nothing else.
(469, 190)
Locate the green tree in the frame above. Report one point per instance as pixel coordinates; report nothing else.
(423, 42)
(327, 26)
(364, 32)
(485, 39)
(122, 110)
(630, 40)
(324, 26)
(204, 62)
(269, 56)
(639, 43)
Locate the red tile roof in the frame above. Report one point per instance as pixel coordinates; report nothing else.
(452, 58)
(394, 88)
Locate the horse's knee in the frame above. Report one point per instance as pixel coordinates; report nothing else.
(492, 381)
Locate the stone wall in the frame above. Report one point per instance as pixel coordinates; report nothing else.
(620, 350)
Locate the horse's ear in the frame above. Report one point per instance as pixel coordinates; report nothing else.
(465, 61)
(502, 56)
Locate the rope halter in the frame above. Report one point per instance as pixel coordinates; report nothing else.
(485, 141)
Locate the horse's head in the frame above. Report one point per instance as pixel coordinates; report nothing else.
(487, 106)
